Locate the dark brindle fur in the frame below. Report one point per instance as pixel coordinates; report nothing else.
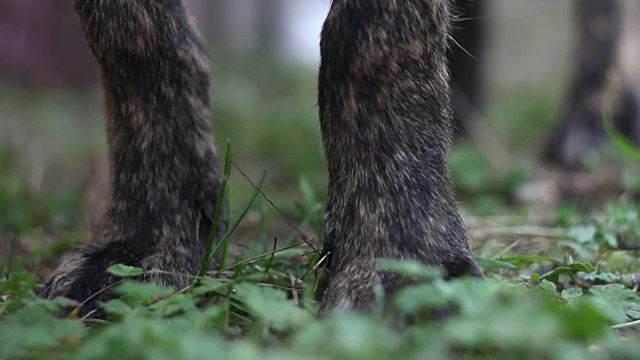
(386, 128)
(164, 166)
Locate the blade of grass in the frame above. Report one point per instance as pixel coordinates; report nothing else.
(206, 259)
(260, 257)
(244, 212)
(495, 264)
(263, 226)
(273, 254)
(225, 249)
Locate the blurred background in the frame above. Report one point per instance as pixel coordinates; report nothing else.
(53, 173)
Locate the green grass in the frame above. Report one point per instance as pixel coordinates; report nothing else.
(561, 282)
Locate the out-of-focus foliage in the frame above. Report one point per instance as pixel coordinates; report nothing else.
(553, 290)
